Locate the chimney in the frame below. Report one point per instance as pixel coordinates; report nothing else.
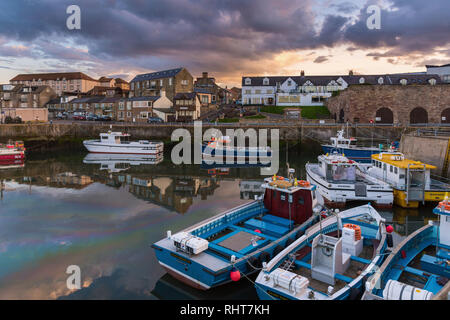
(205, 75)
(350, 73)
(302, 73)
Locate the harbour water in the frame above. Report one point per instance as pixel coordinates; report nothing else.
(58, 211)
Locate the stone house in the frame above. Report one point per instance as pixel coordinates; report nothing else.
(171, 81)
(187, 106)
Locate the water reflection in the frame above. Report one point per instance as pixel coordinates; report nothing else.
(121, 162)
(66, 208)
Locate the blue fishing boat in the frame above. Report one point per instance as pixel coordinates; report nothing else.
(237, 242)
(221, 150)
(419, 267)
(348, 147)
(331, 261)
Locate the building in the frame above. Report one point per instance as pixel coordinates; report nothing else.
(315, 90)
(187, 106)
(122, 84)
(400, 99)
(443, 71)
(291, 90)
(236, 94)
(21, 96)
(107, 82)
(139, 109)
(108, 91)
(171, 81)
(59, 82)
(208, 84)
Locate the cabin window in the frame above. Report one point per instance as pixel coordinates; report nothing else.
(447, 218)
(391, 169)
(402, 176)
(301, 200)
(395, 170)
(282, 196)
(384, 166)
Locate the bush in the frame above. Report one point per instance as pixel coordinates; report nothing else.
(9, 119)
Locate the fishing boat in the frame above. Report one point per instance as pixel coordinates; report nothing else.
(11, 152)
(419, 267)
(117, 142)
(237, 242)
(221, 150)
(121, 162)
(340, 180)
(331, 261)
(411, 180)
(348, 147)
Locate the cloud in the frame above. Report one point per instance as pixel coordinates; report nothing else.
(320, 59)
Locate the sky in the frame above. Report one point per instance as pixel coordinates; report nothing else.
(227, 38)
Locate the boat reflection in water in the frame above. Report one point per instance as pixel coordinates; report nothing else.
(12, 164)
(121, 162)
(169, 288)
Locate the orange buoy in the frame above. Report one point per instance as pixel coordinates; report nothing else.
(304, 183)
(356, 228)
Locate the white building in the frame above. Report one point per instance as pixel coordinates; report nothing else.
(291, 90)
(443, 71)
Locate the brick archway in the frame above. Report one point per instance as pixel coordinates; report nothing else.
(384, 115)
(418, 115)
(445, 116)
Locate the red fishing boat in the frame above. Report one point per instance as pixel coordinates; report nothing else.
(12, 152)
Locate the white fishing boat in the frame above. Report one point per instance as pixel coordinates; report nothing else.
(339, 180)
(117, 142)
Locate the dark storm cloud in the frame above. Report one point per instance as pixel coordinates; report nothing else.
(409, 26)
(320, 59)
(219, 35)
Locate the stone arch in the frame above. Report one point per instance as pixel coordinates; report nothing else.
(341, 115)
(418, 115)
(445, 116)
(384, 115)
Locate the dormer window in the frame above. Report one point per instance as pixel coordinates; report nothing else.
(362, 80)
(289, 82)
(432, 82)
(266, 81)
(380, 80)
(248, 81)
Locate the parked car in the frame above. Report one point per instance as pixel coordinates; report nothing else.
(154, 120)
(91, 117)
(105, 118)
(62, 116)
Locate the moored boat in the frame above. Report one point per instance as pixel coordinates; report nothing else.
(418, 268)
(348, 146)
(340, 180)
(12, 151)
(237, 242)
(221, 150)
(117, 142)
(331, 261)
(411, 180)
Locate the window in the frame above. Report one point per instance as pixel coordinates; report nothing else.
(184, 82)
(129, 114)
(248, 81)
(257, 91)
(170, 81)
(301, 201)
(384, 166)
(248, 91)
(161, 83)
(269, 91)
(402, 176)
(432, 81)
(282, 196)
(391, 169)
(403, 82)
(314, 194)
(395, 170)
(289, 83)
(144, 115)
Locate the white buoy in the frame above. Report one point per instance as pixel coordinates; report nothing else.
(169, 234)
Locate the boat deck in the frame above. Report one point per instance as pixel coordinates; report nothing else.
(358, 179)
(356, 267)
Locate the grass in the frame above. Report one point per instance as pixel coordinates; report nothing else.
(228, 120)
(308, 112)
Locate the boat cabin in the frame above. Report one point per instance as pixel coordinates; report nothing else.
(337, 167)
(341, 142)
(288, 198)
(443, 211)
(393, 168)
(113, 137)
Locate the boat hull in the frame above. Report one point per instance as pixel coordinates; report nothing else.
(358, 155)
(17, 155)
(122, 149)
